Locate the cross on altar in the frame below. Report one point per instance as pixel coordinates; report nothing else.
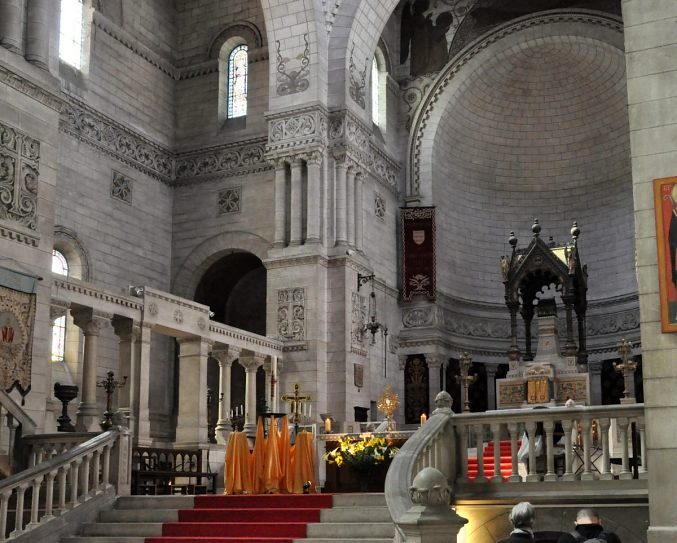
(296, 402)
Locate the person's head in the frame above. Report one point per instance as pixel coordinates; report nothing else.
(587, 516)
(522, 515)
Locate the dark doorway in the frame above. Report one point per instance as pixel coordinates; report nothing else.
(415, 389)
(477, 392)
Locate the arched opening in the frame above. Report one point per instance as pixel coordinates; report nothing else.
(234, 288)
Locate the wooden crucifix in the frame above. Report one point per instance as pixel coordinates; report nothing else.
(296, 402)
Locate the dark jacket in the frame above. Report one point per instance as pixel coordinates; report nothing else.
(588, 531)
(518, 537)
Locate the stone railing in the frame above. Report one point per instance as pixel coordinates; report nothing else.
(588, 439)
(41, 447)
(79, 475)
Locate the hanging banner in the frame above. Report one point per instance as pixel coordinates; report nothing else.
(418, 251)
(17, 316)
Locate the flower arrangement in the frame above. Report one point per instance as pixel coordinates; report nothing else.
(361, 454)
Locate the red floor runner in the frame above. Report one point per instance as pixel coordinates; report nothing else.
(505, 461)
(265, 518)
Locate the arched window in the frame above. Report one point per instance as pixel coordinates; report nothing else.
(238, 67)
(71, 35)
(375, 91)
(59, 266)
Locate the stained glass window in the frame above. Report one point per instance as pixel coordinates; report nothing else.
(238, 67)
(70, 33)
(60, 266)
(374, 91)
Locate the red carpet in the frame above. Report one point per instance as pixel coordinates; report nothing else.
(261, 518)
(505, 460)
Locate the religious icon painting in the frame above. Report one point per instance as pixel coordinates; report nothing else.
(665, 206)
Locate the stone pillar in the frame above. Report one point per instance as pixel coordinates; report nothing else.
(350, 209)
(91, 323)
(491, 386)
(11, 24)
(37, 33)
(314, 201)
(128, 333)
(191, 423)
(434, 383)
(251, 363)
(296, 212)
(275, 367)
(225, 357)
(595, 376)
(341, 175)
(141, 389)
(359, 212)
(279, 240)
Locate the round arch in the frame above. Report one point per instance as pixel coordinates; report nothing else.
(67, 242)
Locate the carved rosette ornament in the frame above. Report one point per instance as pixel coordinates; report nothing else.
(291, 316)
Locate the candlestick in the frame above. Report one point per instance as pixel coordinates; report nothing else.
(424, 418)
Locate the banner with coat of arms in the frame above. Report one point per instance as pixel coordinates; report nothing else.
(418, 252)
(17, 315)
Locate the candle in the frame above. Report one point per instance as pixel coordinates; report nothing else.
(310, 410)
(424, 418)
(327, 425)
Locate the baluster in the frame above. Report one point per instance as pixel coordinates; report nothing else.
(35, 502)
(19, 519)
(463, 441)
(569, 475)
(106, 467)
(625, 473)
(84, 478)
(605, 472)
(49, 495)
(549, 427)
(12, 424)
(514, 475)
(479, 447)
(532, 476)
(429, 456)
(4, 500)
(95, 472)
(586, 427)
(643, 468)
(75, 471)
(63, 472)
(496, 437)
(438, 455)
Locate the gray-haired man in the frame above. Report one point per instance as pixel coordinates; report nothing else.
(522, 518)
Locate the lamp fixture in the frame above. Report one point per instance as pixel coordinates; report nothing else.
(373, 325)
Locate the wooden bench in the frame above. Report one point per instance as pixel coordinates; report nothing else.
(158, 471)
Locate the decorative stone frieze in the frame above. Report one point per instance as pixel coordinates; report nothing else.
(121, 188)
(293, 73)
(229, 200)
(51, 100)
(109, 136)
(19, 174)
(291, 313)
(301, 130)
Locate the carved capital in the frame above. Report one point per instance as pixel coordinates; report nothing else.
(251, 362)
(125, 328)
(91, 322)
(58, 309)
(226, 356)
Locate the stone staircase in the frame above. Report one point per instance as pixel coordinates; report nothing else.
(353, 518)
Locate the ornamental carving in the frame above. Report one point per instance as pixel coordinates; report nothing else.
(291, 313)
(227, 160)
(19, 172)
(418, 317)
(229, 200)
(115, 140)
(178, 316)
(292, 73)
(293, 127)
(121, 188)
(379, 206)
(358, 80)
(358, 316)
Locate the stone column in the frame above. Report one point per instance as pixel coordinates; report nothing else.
(491, 386)
(128, 333)
(595, 376)
(350, 209)
(251, 363)
(314, 201)
(434, 384)
(141, 389)
(225, 357)
(359, 211)
(279, 240)
(91, 323)
(296, 212)
(275, 367)
(191, 423)
(37, 33)
(11, 25)
(341, 175)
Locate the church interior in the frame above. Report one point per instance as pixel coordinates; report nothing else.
(446, 223)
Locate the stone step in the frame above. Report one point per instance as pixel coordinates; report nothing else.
(359, 500)
(139, 515)
(346, 530)
(134, 529)
(101, 539)
(361, 514)
(155, 502)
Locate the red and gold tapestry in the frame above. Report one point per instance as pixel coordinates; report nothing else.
(418, 252)
(17, 316)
